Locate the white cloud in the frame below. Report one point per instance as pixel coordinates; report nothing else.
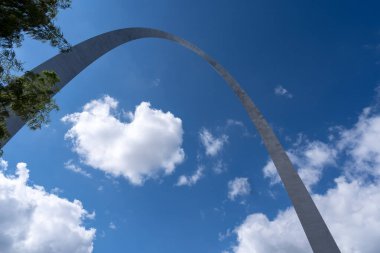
(147, 146)
(35, 221)
(238, 187)
(361, 143)
(56, 191)
(156, 82)
(212, 145)
(350, 208)
(236, 123)
(270, 172)
(3, 164)
(281, 91)
(112, 226)
(233, 122)
(191, 180)
(219, 167)
(309, 158)
(351, 211)
(282, 235)
(225, 235)
(76, 169)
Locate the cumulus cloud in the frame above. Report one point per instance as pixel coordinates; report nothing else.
(3, 164)
(361, 143)
(146, 147)
(281, 91)
(309, 158)
(191, 180)
(213, 145)
(35, 221)
(238, 187)
(350, 208)
(282, 235)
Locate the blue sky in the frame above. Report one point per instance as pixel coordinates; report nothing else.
(207, 185)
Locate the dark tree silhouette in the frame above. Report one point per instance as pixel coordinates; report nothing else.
(28, 96)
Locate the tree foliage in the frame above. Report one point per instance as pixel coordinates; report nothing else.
(29, 96)
(34, 18)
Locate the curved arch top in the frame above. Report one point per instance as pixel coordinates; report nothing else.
(68, 65)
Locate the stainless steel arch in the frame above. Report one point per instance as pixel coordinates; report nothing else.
(68, 65)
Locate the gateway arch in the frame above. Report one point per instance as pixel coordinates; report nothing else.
(68, 65)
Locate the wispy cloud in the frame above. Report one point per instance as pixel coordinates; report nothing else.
(233, 122)
(219, 167)
(191, 180)
(238, 187)
(281, 91)
(112, 226)
(213, 145)
(76, 169)
(56, 191)
(156, 82)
